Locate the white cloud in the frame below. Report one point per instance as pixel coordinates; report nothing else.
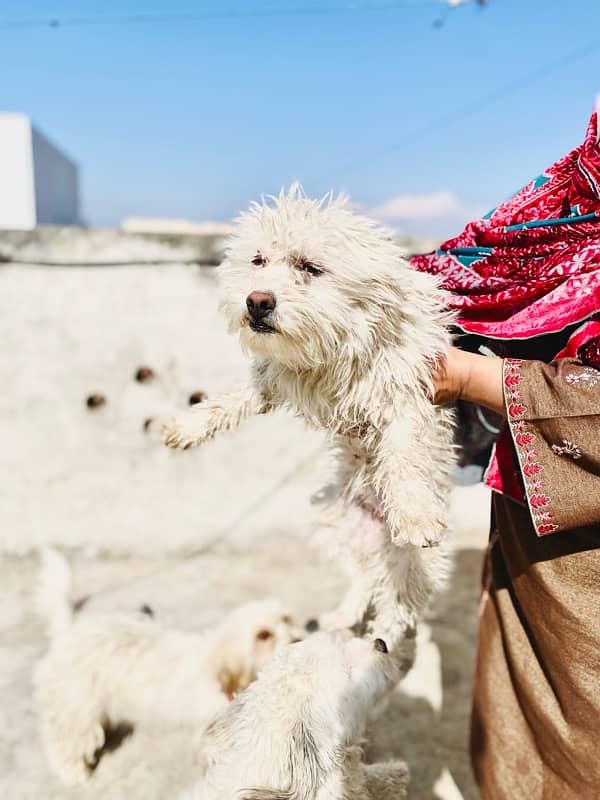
(440, 214)
(419, 207)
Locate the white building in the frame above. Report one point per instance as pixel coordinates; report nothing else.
(39, 185)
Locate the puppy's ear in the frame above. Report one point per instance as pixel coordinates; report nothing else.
(218, 731)
(218, 734)
(306, 770)
(236, 670)
(230, 682)
(305, 761)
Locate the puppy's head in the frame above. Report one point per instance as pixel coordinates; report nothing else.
(248, 639)
(286, 735)
(309, 282)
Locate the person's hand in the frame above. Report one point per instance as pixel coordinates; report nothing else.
(468, 376)
(450, 377)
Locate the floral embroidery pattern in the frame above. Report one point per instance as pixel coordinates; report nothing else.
(525, 442)
(587, 377)
(589, 353)
(567, 449)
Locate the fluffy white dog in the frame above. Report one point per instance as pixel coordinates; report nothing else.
(104, 670)
(344, 333)
(296, 733)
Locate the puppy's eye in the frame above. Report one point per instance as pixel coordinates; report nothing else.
(312, 269)
(264, 635)
(259, 260)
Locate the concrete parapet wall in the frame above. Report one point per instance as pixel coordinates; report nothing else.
(70, 245)
(78, 246)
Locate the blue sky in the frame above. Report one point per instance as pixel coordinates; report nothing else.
(193, 118)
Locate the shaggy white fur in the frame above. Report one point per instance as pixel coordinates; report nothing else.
(296, 733)
(344, 333)
(102, 670)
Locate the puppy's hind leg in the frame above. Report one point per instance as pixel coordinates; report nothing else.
(387, 781)
(351, 613)
(384, 781)
(351, 538)
(73, 747)
(224, 413)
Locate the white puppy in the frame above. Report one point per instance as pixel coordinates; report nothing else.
(344, 333)
(104, 670)
(296, 733)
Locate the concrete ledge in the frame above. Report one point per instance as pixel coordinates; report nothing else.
(78, 246)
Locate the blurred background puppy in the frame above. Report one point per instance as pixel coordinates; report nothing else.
(104, 670)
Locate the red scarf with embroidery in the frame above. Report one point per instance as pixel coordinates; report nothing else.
(531, 268)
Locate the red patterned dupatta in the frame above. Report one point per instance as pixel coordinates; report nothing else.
(530, 270)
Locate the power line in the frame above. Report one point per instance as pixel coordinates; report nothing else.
(210, 544)
(178, 560)
(470, 109)
(219, 14)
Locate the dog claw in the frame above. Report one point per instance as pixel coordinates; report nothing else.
(175, 440)
(430, 543)
(431, 540)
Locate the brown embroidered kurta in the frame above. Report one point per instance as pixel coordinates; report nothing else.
(536, 712)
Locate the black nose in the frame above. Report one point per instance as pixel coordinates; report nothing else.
(260, 304)
(312, 625)
(380, 646)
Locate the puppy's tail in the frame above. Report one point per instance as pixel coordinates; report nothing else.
(53, 599)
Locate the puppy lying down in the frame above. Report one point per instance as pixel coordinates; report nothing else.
(296, 733)
(104, 670)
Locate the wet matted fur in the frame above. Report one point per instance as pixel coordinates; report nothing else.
(344, 333)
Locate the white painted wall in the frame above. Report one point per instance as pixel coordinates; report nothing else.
(17, 195)
(39, 185)
(95, 480)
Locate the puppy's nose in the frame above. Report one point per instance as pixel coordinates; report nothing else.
(260, 304)
(380, 646)
(312, 625)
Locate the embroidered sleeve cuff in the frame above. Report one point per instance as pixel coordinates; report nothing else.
(555, 428)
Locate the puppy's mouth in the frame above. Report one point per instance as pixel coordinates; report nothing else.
(260, 326)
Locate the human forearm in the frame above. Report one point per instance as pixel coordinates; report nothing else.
(472, 377)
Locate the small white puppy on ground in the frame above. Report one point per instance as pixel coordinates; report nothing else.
(105, 670)
(344, 333)
(296, 733)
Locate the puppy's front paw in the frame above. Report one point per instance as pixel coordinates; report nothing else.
(387, 781)
(185, 431)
